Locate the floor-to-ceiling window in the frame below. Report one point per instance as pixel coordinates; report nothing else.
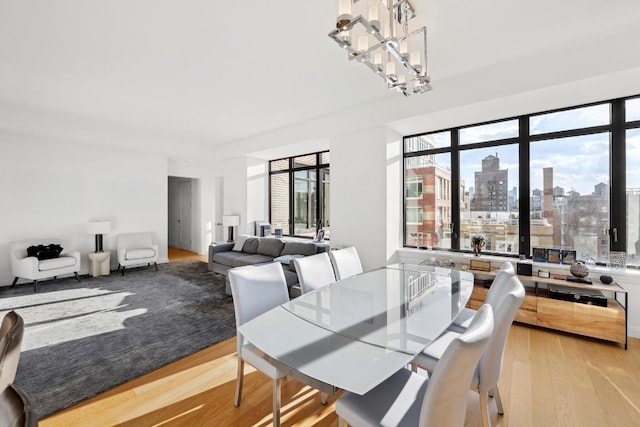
(428, 192)
(565, 179)
(279, 179)
(569, 168)
(632, 155)
(299, 194)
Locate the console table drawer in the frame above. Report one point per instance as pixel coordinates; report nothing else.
(599, 322)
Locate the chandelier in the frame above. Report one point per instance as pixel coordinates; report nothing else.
(384, 43)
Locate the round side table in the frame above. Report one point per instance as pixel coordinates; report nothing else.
(100, 263)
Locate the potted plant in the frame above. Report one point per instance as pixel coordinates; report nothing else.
(477, 242)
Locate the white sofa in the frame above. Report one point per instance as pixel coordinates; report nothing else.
(32, 268)
(136, 249)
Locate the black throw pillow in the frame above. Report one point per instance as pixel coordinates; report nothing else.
(33, 250)
(54, 250)
(44, 252)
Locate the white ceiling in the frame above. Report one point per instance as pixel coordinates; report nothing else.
(217, 72)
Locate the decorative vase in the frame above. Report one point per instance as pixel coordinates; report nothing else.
(578, 269)
(477, 248)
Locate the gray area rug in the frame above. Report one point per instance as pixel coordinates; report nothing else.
(84, 338)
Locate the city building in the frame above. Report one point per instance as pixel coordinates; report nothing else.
(491, 184)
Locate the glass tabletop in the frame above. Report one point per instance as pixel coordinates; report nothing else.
(400, 307)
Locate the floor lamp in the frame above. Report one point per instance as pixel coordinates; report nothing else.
(230, 221)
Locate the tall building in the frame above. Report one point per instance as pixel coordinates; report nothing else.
(633, 223)
(536, 203)
(513, 199)
(428, 198)
(491, 186)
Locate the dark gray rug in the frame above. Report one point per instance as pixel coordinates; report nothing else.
(84, 338)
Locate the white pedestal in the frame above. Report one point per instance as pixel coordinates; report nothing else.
(100, 263)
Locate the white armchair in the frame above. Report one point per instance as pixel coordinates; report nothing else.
(136, 249)
(31, 268)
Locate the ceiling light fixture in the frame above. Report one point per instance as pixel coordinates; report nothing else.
(391, 50)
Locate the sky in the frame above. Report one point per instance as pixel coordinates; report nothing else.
(579, 163)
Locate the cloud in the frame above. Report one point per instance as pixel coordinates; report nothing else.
(570, 119)
(489, 132)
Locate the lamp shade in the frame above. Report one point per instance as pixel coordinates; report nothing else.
(230, 220)
(99, 227)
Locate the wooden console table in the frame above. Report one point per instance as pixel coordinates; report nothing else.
(607, 323)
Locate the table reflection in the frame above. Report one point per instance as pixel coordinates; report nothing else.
(400, 307)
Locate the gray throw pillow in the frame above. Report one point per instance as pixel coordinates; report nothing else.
(270, 246)
(302, 248)
(251, 245)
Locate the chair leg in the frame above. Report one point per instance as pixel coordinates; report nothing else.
(484, 408)
(118, 266)
(75, 274)
(498, 400)
(324, 398)
(276, 402)
(156, 264)
(239, 380)
(123, 267)
(14, 282)
(414, 367)
(55, 277)
(35, 286)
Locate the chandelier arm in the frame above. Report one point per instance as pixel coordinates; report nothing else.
(415, 78)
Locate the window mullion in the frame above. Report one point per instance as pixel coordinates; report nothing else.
(618, 187)
(455, 189)
(524, 203)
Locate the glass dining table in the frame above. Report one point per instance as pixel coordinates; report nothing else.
(355, 333)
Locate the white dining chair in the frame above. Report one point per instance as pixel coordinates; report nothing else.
(256, 290)
(486, 376)
(496, 292)
(346, 262)
(409, 399)
(314, 272)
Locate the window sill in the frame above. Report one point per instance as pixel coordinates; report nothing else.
(415, 256)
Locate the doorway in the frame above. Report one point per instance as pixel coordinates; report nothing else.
(181, 211)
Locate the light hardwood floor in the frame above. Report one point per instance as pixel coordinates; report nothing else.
(177, 254)
(548, 379)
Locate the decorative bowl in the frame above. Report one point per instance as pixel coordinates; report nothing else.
(578, 269)
(606, 279)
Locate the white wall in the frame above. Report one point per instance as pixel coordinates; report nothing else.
(365, 184)
(53, 188)
(235, 194)
(217, 232)
(257, 192)
(246, 192)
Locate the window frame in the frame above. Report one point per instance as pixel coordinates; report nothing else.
(617, 128)
(291, 170)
